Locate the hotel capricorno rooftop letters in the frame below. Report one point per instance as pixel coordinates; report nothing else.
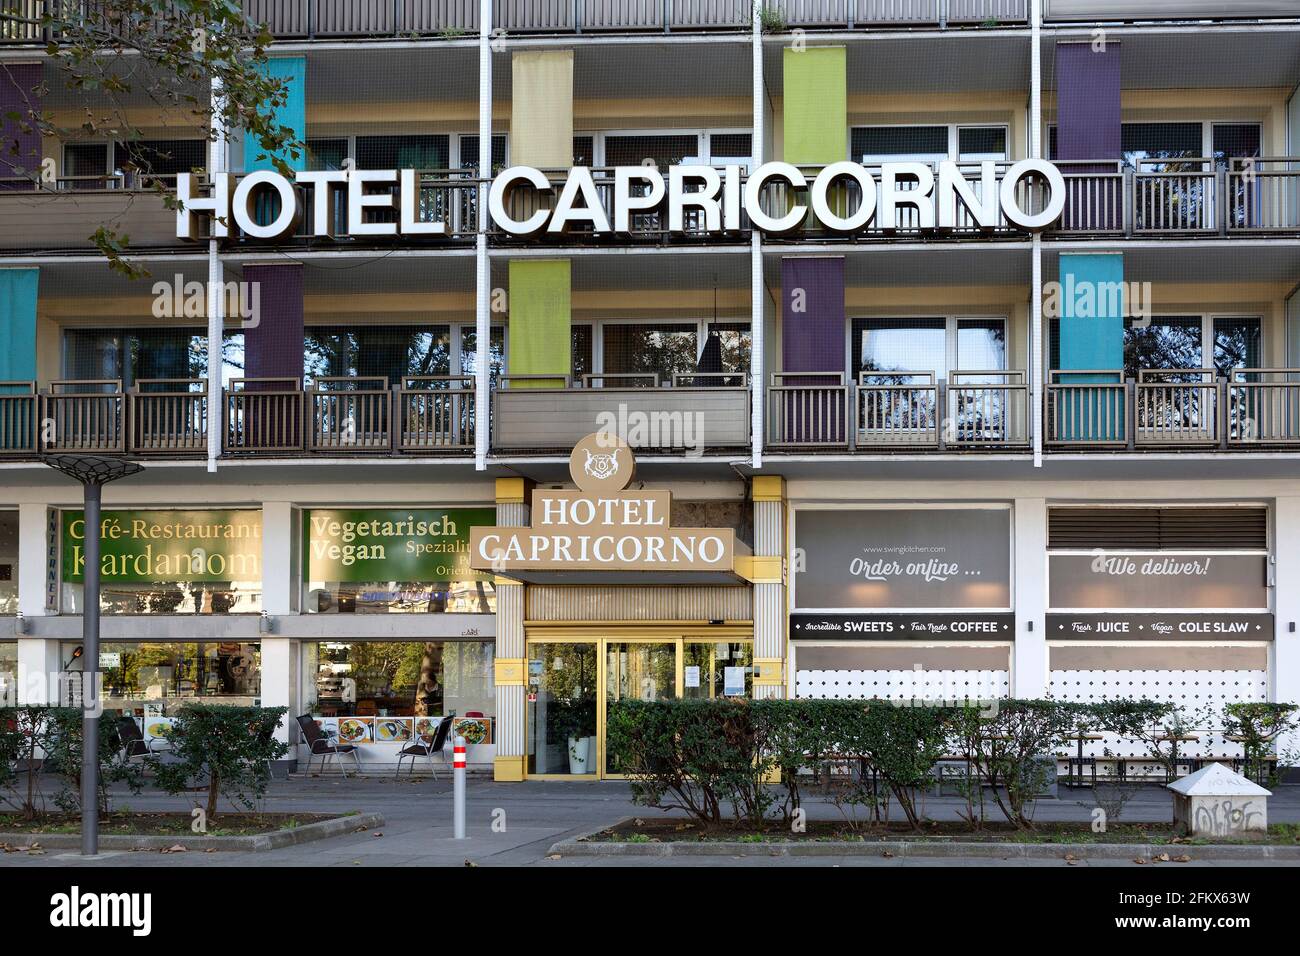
(707, 196)
(602, 526)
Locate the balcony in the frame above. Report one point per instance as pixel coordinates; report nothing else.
(698, 411)
(450, 19)
(898, 411)
(911, 413)
(63, 215)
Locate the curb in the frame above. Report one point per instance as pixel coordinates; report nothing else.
(257, 842)
(903, 849)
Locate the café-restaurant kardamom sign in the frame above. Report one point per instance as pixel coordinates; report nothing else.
(142, 547)
(602, 527)
(398, 544)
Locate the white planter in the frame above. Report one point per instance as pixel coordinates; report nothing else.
(581, 754)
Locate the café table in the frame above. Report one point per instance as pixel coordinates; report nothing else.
(1080, 761)
(1193, 763)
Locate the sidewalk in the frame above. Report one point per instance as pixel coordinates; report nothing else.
(531, 817)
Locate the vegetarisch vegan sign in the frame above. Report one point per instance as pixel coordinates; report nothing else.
(408, 544)
(143, 547)
(692, 198)
(602, 527)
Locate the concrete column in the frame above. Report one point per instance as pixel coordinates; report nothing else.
(280, 682)
(38, 670)
(513, 495)
(770, 659)
(279, 587)
(1285, 673)
(33, 558)
(1029, 670)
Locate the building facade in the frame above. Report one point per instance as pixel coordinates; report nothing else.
(952, 454)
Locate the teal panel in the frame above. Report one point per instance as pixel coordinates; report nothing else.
(18, 324)
(293, 114)
(1092, 306)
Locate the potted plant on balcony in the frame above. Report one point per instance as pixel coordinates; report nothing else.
(575, 724)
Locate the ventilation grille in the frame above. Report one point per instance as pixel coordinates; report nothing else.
(1158, 529)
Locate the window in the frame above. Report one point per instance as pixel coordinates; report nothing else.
(388, 351)
(928, 144)
(155, 679)
(582, 356)
(85, 159)
(883, 347)
(8, 566)
(663, 150)
(1234, 141)
(378, 679)
(135, 355)
(402, 152)
(160, 157)
(1143, 141)
(1183, 342)
(469, 352)
(326, 154)
(469, 152)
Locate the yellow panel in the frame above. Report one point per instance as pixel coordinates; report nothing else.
(768, 488)
(541, 109)
(508, 769)
(510, 491)
(769, 671)
(760, 570)
(509, 671)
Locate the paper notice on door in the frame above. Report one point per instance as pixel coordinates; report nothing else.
(733, 681)
(692, 676)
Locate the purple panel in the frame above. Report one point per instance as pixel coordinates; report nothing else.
(18, 82)
(812, 340)
(273, 345)
(1087, 101)
(1088, 126)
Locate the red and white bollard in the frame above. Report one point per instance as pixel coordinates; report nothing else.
(458, 786)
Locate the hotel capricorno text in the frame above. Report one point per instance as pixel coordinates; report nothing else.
(830, 348)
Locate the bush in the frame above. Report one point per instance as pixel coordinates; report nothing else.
(1260, 724)
(225, 749)
(59, 732)
(693, 755)
(900, 745)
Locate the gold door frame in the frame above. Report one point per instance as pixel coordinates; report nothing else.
(601, 636)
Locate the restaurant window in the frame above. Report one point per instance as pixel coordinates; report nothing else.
(388, 351)
(135, 355)
(167, 562)
(148, 679)
(8, 563)
(374, 680)
(8, 673)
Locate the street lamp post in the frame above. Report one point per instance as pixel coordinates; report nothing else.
(93, 471)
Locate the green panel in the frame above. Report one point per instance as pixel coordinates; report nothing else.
(540, 316)
(401, 545)
(18, 324)
(293, 114)
(815, 106)
(141, 547)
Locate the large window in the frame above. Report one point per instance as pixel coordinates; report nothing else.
(135, 355)
(389, 351)
(1184, 341)
(664, 349)
(884, 347)
(157, 678)
(400, 679)
(928, 144)
(1159, 146)
(8, 564)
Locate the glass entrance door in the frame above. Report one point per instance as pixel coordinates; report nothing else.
(560, 701)
(639, 670)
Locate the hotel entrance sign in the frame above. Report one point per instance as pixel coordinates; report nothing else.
(602, 526)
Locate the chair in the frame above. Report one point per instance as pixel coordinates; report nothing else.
(319, 746)
(426, 746)
(131, 738)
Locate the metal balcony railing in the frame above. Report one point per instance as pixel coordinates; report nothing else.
(436, 413)
(83, 416)
(807, 410)
(1263, 407)
(168, 416)
(19, 419)
(332, 19)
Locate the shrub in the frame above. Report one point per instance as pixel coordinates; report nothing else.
(226, 749)
(900, 744)
(59, 732)
(1015, 746)
(694, 755)
(1260, 724)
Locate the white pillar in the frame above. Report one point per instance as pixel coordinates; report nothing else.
(482, 268)
(33, 557)
(1036, 292)
(512, 496)
(1285, 677)
(216, 285)
(279, 683)
(38, 669)
(757, 373)
(1029, 671)
(278, 585)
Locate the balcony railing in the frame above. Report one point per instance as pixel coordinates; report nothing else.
(916, 412)
(331, 19)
